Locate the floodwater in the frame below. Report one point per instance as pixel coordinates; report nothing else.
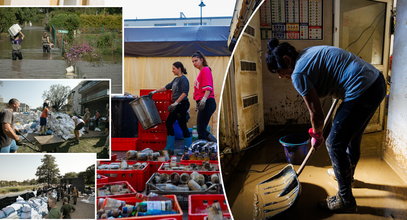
(380, 193)
(39, 65)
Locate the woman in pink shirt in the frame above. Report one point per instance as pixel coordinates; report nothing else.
(204, 96)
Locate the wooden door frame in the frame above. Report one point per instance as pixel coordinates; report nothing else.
(386, 52)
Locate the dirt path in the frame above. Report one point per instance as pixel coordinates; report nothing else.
(83, 210)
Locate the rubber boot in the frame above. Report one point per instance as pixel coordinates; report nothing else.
(187, 141)
(170, 144)
(211, 138)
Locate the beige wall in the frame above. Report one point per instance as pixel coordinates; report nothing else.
(156, 72)
(235, 118)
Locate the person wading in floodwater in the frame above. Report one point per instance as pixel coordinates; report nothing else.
(16, 46)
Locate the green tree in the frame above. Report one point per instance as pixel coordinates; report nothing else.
(48, 171)
(57, 94)
(90, 174)
(26, 14)
(8, 18)
(71, 175)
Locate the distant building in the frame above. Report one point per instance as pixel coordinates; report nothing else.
(74, 100)
(95, 96)
(24, 107)
(172, 22)
(52, 2)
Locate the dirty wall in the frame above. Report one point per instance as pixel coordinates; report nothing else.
(282, 103)
(156, 72)
(395, 150)
(247, 86)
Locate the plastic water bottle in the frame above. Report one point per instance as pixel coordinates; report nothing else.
(123, 164)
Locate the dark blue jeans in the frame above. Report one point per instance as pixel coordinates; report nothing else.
(203, 118)
(343, 142)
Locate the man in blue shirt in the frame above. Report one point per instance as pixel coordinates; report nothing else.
(329, 71)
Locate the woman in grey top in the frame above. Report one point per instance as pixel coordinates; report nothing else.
(179, 107)
(329, 71)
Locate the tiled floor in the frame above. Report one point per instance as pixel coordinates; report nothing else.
(379, 192)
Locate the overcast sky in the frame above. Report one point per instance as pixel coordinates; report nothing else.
(20, 167)
(171, 8)
(30, 91)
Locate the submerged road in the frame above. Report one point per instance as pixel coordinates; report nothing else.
(39, 65)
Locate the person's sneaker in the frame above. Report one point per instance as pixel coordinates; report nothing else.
(336, 204)
(331, 173)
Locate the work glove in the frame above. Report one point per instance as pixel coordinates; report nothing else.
(152, 93)
(316, 138)
(201, 104)
(172, 107)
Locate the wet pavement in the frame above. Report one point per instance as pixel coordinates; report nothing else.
(39, 65)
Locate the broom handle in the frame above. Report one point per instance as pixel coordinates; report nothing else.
(311, 151)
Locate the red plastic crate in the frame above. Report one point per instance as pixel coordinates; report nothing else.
(169, 172)
(198, 161)
(162, 105)
(136, 178)
(197, 205)
(102, 179)
(133, 192)
(159, 96)
(154, 166)
(155, 144)
(175, 204)
(164, 114)
(124, 144)
(160, 129)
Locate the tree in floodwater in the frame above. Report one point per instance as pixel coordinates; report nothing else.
(57, 95)
(48, 172)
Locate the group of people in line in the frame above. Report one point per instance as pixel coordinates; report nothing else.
(64, 192)
(17, 40)
(203, 95)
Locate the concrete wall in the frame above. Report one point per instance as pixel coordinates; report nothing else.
(282, 102)
(395, 150)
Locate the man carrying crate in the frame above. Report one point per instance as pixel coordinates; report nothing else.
(16, 46)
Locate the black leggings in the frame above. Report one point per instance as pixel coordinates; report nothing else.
(180, 113)
(203, 118)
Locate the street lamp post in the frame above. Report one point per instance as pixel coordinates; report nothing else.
(201, 5)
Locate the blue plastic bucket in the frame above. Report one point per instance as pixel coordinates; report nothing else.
(295, 147)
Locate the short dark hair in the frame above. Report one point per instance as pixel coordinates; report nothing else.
(13, 101)
(276, 52)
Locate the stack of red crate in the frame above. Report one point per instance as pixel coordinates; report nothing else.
(155, 138)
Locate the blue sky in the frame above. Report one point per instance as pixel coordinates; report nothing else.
(20, 167)
(30, 91)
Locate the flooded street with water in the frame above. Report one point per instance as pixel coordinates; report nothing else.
(39, 65)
